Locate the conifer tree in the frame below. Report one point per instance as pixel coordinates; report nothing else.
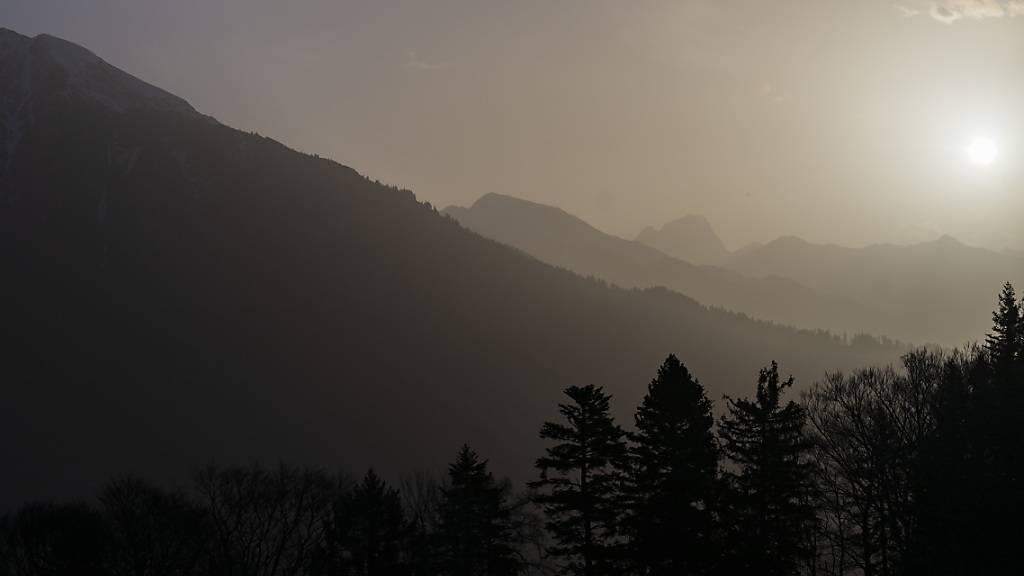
(1005, 344)
(672, 483)
(580, 480)
(475, 531)
(369, 526)
(998, 441)
(1000, 403)
(769, 512)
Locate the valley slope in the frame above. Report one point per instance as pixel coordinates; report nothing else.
(937, 292)
(561, 239)
(176, 291)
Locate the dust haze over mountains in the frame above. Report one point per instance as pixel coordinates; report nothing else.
(178, 291)
(163, 268)
(834, 121)
(932, 292)
(207, 337)
(689, 238)
(718, 287)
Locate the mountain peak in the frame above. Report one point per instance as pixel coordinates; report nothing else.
(689, 220)
(46, 66)
(8, 35)
(501, 204)
(496, 199)
(689, 238)
(36, 73)
(789, 240)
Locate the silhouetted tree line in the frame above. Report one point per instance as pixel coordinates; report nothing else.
(915, 469)
(283, 521)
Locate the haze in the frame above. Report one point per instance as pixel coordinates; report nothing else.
(837, 121)
(516, 288)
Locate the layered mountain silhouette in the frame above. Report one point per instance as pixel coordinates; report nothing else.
(934, 292)
(689, 238)
(561, 239)
(938, 291)
(176, 291)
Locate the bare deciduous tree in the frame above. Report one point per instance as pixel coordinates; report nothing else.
(266, 522)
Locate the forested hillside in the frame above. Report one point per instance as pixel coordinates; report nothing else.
(176, 291)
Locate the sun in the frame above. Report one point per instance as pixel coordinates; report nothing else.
(982, 151)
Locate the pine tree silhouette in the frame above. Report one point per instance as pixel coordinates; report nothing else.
(1005, 343)
(998, 443)
(768, 513)
(369, 527)
(580, 481)
(475, 531)
(951, 503)
(972, 469)
(673, 476)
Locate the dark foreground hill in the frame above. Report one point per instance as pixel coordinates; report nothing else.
(175, 290)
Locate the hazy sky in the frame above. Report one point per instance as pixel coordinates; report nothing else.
(837, 120)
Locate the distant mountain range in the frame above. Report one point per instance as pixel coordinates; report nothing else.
(176, 291)
(936, 292)
(689, 238)
(556, 237)
(940, 291)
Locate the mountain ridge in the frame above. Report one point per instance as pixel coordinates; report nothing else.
(690, 238)
(559, 238)
(179, 291)
(905, 282)
(883, 288)
(85, 73)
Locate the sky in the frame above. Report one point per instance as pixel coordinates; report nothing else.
(841, 121)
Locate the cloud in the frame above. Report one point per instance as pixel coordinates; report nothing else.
(907, 9)
(949, 11)
(414, 61)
